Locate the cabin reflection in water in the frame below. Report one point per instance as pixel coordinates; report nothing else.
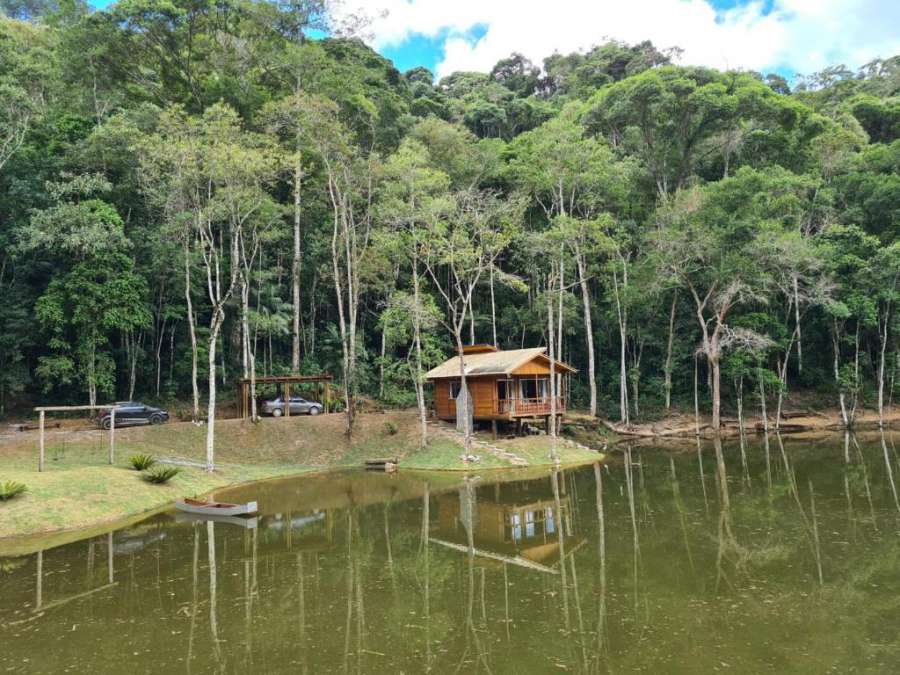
(517, 523)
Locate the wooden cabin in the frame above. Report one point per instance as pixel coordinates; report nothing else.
(505, 385)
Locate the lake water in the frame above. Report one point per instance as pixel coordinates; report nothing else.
(781, 557)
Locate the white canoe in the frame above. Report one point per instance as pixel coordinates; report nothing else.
(215, 508)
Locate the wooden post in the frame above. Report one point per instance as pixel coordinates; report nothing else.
(494, 429)
(39, 600)
(41, 425)
(112, 436)
(109, 557)
(287, 399)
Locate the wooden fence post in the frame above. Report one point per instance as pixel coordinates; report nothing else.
(112, 436)
(41, 460)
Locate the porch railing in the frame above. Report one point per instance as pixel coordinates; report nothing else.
(528, 406)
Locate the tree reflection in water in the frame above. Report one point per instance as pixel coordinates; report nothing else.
(412, 573)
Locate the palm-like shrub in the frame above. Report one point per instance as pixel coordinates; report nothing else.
(141, 462)
(161, 474)
(10, 489)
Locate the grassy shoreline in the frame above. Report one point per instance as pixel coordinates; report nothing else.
(79, 491)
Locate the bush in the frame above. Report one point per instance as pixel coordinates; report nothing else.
(161, 474)
(10, 489)
(390, 428)
(141, 462)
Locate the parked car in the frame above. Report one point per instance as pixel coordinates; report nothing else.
(132, 413)
(299, 406)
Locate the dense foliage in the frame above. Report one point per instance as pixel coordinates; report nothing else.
(195, 190)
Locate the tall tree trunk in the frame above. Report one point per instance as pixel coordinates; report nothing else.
(782, 375)
(797, 326)
(622, 317)
(214, 327)
(382, 354)
(248, 350)
(192, 331)
(588, 329)
(836, 345)
(464, 398)
(696, 396)
(295, 269)
(551, 343)
(417, 340)
(493, 311)
(559, 316)
(716, 392)
(667, 368)
(160, 338)
(762, 402)
(883, 334)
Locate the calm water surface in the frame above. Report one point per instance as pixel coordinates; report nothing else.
(776, 558)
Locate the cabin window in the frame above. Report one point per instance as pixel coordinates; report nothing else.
(529, 523)
(454, 390)
(549, 525)
(533, 388)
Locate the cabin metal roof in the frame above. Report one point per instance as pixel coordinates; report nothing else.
(501, 362)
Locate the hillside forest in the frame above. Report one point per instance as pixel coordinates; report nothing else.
(195, 191)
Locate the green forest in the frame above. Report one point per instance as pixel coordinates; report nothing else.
(193, 192)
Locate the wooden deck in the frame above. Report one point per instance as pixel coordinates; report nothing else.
(527, 407)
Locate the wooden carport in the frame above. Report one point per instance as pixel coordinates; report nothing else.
(283, 383)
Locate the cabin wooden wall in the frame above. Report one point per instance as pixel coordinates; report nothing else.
(532, 368)
(484, 392)
(484, 395)
(444, 406)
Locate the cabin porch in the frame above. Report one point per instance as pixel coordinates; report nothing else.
(500, 398)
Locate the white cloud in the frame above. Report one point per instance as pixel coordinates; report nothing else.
(801, 35)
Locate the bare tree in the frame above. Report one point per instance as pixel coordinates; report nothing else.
(457, 253)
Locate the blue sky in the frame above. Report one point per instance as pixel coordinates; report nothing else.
(786, 36)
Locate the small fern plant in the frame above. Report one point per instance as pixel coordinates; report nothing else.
(10, 489)
(141, 462)
(161, 474)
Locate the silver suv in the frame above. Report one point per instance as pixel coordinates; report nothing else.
(299, 406)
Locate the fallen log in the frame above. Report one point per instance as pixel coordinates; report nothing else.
(653, 433)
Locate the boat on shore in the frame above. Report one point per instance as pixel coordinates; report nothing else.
(200, 507)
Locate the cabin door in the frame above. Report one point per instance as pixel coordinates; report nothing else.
(504, 393)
